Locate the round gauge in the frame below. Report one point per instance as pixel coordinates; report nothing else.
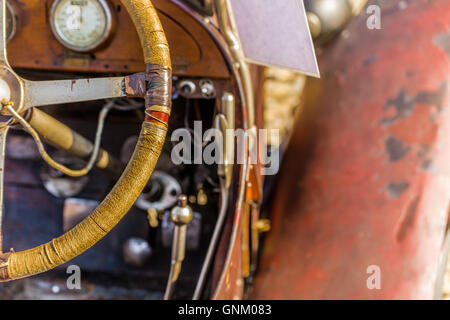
(81, 25)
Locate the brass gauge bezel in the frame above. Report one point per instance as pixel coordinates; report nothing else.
(107, 33)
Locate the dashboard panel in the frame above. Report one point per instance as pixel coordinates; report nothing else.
(36, 46)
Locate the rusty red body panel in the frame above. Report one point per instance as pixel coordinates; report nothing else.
(373, 183)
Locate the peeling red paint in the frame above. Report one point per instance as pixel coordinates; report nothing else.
(333, 216)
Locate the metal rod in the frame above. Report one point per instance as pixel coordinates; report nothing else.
(178, 253)
(3, 134)
(180, 215)
(228, 29)
(214, 240)
(3, 56)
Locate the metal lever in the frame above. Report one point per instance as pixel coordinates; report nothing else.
(63, 138)
(180, 215)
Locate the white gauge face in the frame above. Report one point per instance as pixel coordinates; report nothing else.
(81, 25)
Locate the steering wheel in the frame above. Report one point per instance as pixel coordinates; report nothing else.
(155, 85)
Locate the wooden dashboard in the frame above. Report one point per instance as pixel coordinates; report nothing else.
(194, 52)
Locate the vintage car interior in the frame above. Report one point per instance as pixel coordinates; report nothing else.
(64, 68)
(100, 200)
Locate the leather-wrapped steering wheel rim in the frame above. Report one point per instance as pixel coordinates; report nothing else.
(17, 265)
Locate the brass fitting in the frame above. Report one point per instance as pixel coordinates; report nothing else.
(182, 214)
(326, 18)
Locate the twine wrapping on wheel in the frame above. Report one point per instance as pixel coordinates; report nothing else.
(104, 218)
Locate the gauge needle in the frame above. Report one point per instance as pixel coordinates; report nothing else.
(80, 18)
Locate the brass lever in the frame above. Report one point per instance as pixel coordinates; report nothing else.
(180, 215)
(63, 138)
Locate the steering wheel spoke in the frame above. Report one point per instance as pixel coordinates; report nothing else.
(3, 57)
(43, 93)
